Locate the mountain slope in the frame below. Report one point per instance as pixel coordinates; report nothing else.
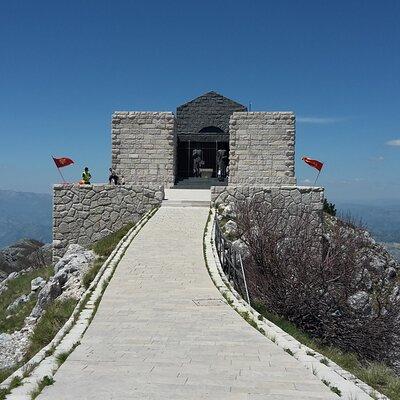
(382, 218)
(24, 215)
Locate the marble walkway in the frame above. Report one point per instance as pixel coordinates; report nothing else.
(163, 331)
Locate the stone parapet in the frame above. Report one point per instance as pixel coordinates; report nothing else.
(291, 201)
(144, 147)
(262, 147)
(83, 214)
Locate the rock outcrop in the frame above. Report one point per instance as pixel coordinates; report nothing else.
(66, 283)
(67, 280)
(26, 253)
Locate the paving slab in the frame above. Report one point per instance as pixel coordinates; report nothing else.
(163, 330)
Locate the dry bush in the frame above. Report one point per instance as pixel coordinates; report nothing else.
(337, 295)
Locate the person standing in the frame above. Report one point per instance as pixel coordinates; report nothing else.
(86, 176)
(113, 177)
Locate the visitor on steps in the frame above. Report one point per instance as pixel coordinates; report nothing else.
(86, 176)
(113, 177)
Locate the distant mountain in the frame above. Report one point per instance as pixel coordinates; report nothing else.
(382, 219)
(24, 215)
(393, 249)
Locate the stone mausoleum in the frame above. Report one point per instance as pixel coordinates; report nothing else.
(160, 147)
(210, 142)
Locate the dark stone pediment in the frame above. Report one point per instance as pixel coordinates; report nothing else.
(210, 110)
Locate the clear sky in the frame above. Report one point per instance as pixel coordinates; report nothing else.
(65, 66)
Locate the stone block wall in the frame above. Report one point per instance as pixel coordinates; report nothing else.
(262, 148)
(87, 213)
(291, 201)
(144, 147)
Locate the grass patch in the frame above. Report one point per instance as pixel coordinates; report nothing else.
(4, 392)
(5, 373)
(55, 316)
(324, 361)
(92, 272)
(227, 298)
(104, 247)
(62, 357)
(16, 288)
(46, 381)
(377, 375)
(290, 352)
(336, 390)
(15, 382)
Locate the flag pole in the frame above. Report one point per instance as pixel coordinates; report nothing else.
(58, 169)
(64, 181)
(317, 177)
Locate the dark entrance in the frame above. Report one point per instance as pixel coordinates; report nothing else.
(209, 153)
(203, 124)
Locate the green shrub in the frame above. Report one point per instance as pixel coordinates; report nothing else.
(329, 208)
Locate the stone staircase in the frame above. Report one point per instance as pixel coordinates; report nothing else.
(198, 183)
(185, 203)
(186, 198)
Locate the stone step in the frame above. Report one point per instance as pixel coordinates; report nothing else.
(185, 203)
(198, 183)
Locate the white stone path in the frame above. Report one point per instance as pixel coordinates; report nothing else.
(149, 340)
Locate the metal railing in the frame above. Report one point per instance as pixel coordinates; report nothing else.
(231, 261)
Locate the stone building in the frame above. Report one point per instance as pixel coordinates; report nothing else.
(159, 147)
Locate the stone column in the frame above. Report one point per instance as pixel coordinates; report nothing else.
(144, 147)
(262, 148)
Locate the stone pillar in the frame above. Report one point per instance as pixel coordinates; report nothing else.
(144, 147)
(262, 148)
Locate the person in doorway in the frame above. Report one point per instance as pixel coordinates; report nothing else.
(86, 176)
(113, 177)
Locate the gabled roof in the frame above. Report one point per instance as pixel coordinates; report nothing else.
(212, 95)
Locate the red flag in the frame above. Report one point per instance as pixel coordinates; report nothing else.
(62, 162)
(313, 163)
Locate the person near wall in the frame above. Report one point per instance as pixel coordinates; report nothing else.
(86, 176)
(113, 177)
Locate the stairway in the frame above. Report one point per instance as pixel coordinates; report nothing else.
(198, 183)
(178, 197)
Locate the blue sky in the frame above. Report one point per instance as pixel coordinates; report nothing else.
(66, 66)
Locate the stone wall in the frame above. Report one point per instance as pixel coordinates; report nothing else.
(290, 200)
(144, 147)
(262, 148)
(87, 213)
(210, 109)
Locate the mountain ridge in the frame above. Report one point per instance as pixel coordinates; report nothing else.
(25, 215)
